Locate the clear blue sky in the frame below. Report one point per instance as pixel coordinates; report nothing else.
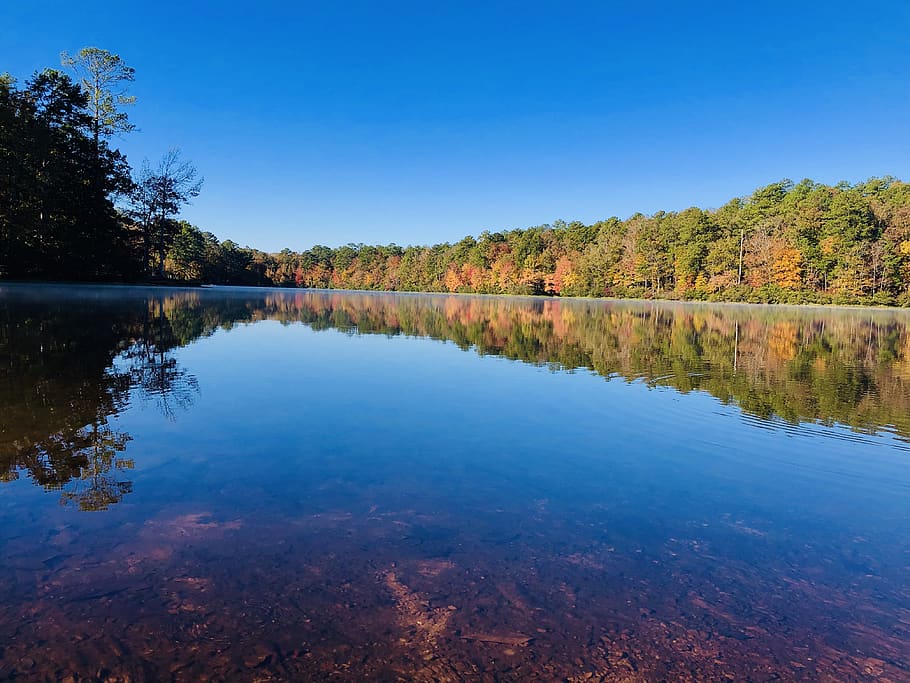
(420, 122)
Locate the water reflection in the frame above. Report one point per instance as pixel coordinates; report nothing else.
(73, 360)
(797, 364)
(74, 357)
(92, 467)
(371, 507)
(154, 372)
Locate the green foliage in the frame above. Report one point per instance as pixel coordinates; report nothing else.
(157, 197)
(104, 78)
(784, 243)
(58, 219)
(59, 180)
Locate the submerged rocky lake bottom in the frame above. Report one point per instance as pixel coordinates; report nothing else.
(252, 485)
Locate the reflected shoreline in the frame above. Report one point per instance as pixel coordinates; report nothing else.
(79, 355)
(323, 535)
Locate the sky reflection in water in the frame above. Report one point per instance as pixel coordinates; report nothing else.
(245, 496)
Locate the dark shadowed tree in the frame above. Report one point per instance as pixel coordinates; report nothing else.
(57, 219)
(156, 201)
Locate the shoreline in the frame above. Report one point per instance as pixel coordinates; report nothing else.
(529, 297)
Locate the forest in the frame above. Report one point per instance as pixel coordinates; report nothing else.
(786, 243)
(72, 209)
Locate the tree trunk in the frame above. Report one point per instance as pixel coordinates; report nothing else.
(161, 249)
(742, 239)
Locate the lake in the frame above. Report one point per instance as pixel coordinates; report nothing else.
(253, 484)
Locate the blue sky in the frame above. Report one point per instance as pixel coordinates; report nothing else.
(420, 122)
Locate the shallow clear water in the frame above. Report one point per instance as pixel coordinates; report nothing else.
(259, 484)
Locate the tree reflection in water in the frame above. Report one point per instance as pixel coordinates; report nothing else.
(97, 486)
(152, 368)
(73, 363)
(71, 358)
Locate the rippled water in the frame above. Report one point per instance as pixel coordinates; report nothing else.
(241, 484)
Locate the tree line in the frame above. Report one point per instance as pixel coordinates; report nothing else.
(785, 243)
(70, 208)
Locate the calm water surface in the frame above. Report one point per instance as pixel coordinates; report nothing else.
(243, 485)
